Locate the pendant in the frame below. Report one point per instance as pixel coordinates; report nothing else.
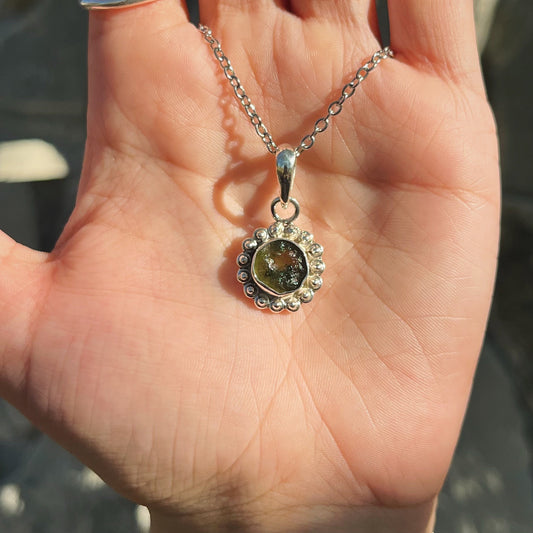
(281, 266)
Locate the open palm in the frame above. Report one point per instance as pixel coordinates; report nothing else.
(132, 344)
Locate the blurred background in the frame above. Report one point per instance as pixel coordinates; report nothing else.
(43, 489)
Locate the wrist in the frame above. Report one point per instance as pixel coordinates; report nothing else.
(413, 519)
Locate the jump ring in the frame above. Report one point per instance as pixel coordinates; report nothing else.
(287, 220)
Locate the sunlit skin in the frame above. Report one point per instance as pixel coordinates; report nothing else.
(132, 344)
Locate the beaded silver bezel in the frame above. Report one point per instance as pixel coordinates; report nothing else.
(312, 282)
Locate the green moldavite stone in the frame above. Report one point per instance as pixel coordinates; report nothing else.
(280, 266)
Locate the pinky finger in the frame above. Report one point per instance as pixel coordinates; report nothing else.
(436, 34)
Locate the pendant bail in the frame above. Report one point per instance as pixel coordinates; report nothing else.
(286, 169)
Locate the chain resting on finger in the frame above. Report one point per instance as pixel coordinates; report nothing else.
(321, 124)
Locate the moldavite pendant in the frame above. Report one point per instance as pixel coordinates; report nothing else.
(281, 267)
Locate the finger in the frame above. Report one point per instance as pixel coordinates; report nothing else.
(436, 34)
(114, 32)
(356, 16)
(136, 8)
(22, 288)
(131, 50)
(341, 10)
(212, 11)
(121, 41)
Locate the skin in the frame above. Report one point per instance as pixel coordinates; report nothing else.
(131, 343)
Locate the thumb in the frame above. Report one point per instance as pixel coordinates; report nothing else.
(23, 285)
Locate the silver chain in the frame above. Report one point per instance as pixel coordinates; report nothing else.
(321, 124)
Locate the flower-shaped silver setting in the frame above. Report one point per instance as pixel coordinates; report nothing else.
(291, 301)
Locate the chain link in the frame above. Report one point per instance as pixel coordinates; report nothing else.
(321, 124)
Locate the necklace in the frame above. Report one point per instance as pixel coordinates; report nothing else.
(281, 266)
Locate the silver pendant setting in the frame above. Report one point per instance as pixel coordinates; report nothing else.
(281, 267)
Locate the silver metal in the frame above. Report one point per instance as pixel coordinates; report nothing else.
(239, 91)
(111, 4)
(321, 124)
(286, 170)
(286, 220)
(347, 92)
(265, 299)
(283, 229)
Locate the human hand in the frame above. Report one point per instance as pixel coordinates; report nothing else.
(132, 344)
